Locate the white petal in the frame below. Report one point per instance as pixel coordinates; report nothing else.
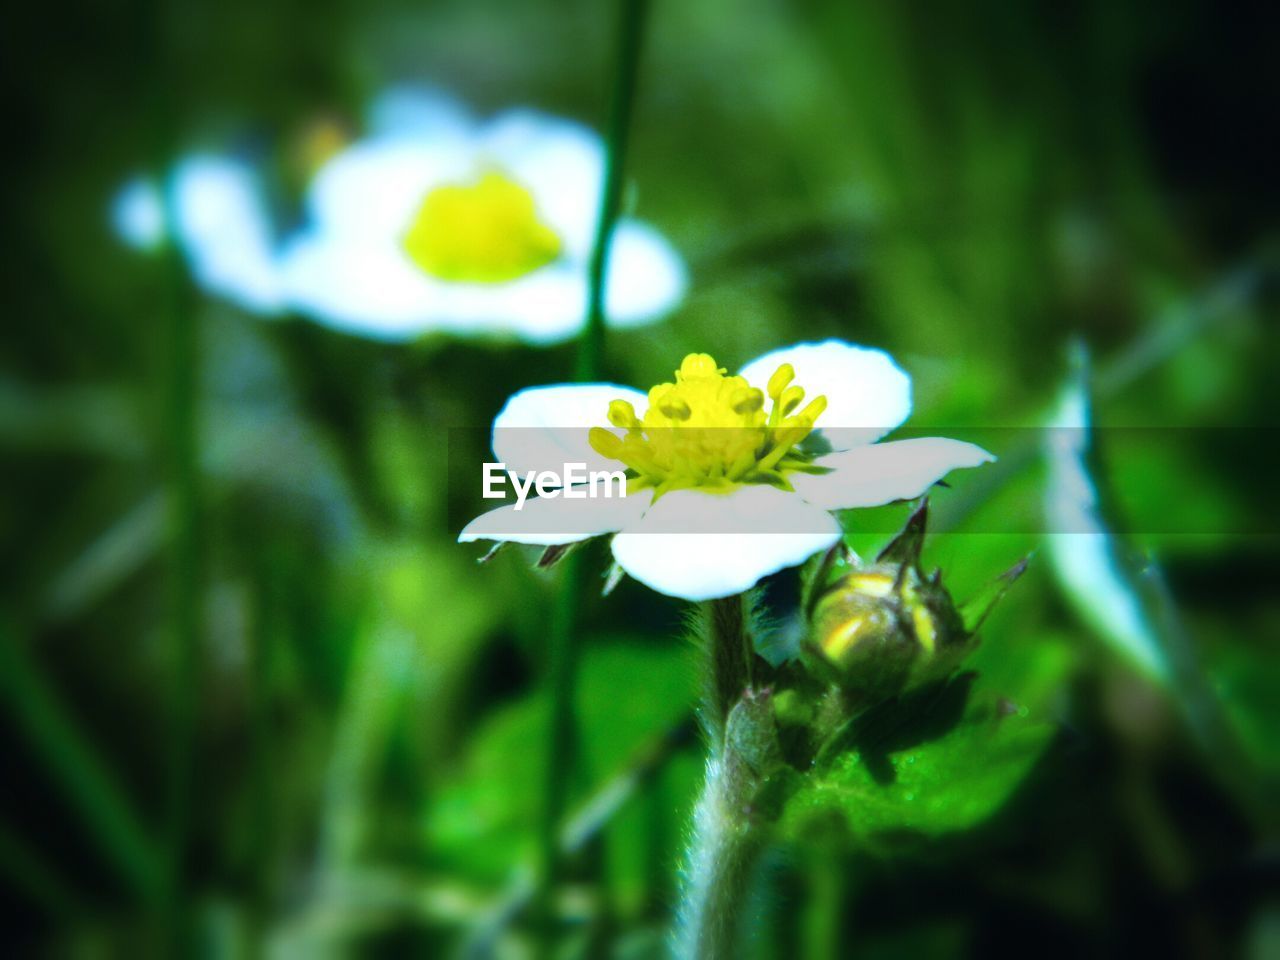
(543, 428)
(867, 393)
(373, 188)
(137, 214)
(370, 287)
(560, 162)
(881, 473)
(550, 304)
(555, 520)
(647, 278)
(405, 111)
(546, 306)
(223, 228)
(701, 546)
(367, 288)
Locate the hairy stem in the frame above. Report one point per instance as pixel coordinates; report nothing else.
(722, 860)
(726, 630)
(729, 834)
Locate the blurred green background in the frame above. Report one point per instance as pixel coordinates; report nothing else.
(290, 715)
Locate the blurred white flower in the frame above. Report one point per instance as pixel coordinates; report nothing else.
(433, 222)
(137, 214)
(220, 224)
(726, 482)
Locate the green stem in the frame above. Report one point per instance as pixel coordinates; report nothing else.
(722, 863)
(182, 376)
(729, 656)
(626, 68)
(562, 660)
(730, 834)
(561, 680)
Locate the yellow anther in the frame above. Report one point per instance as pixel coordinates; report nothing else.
(813, 411)
(622, 414)
(747, 400)
(605, 443)
(790, 399)
(698, 365)
(781, 377)
(710, 430)
(675, 408)
(485, 231)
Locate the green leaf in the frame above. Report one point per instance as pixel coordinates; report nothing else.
(629, 692)
(1092, 565)
(944, 785)
(945, 759)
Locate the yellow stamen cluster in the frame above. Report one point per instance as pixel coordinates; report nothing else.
(486, 231)
(710, 430)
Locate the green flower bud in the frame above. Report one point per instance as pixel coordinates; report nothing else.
(885, 627)
(878, 629)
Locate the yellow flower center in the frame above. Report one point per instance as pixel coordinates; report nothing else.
(711, 431)
(486, 231)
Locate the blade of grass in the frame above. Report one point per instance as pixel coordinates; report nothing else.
(179, 445)
(87, 783)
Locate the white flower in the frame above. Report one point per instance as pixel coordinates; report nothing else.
(727, 484)
(220, 223)
(434, 222)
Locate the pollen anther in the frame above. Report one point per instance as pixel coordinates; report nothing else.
(711, 431)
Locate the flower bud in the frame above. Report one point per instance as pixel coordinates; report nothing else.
(879, 629)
